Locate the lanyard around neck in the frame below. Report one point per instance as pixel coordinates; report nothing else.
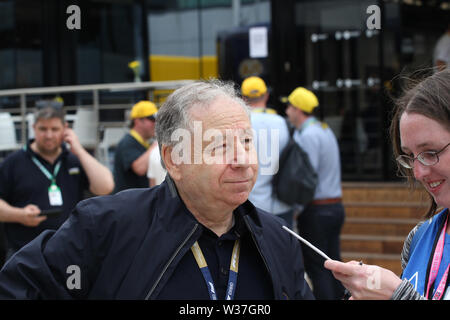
(232, 278)
(139, 139)
(51, 177)
(436, 262)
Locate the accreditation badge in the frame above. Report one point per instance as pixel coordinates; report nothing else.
(54, 195)
(447, 294)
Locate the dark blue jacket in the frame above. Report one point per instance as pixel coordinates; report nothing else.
(126, 246)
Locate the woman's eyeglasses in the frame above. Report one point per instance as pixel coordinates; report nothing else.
(427, 158)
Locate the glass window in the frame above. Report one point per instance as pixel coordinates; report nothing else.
(28, 43)
(20, 48)
(113, 41)
(7, 52)
(187, 49)
(342, 67)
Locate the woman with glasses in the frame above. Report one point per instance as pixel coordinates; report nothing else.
(420, 132)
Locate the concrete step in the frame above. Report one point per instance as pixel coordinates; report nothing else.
(379, 217)
(382, 192)
(379, 226)
(372, 244)
(385, 210)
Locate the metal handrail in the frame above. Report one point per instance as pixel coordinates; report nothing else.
(94, 88)
(113, 87)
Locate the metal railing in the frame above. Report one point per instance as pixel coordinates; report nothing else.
(149, 86)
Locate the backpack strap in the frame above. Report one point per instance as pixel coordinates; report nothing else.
(290, 127)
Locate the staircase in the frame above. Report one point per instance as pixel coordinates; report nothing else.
(379, 216)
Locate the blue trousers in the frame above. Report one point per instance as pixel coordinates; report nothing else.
(321, 225)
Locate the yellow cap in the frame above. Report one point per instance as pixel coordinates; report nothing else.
(253, 87)
(143, 109)
(303, 99)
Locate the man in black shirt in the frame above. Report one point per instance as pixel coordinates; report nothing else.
(132, 152)
(43, 175)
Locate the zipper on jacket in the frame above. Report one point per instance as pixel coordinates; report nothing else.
(260, 253)
(170, 261)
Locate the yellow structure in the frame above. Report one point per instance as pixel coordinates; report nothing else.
(164, 68)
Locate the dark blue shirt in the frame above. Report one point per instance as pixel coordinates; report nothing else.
(127, 151)
(253, 279)
(23, 183)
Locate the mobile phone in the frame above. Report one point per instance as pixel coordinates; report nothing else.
(51, 212)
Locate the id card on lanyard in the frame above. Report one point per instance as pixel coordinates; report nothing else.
(54, 192)
(232, 278)
(435, 264)
(54, 195)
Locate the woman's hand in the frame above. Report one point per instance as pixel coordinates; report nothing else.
(365, 282)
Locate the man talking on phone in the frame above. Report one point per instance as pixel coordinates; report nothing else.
(42, 182)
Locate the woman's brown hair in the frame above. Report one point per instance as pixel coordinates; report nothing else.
(430, 98)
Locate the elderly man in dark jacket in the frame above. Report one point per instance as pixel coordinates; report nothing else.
(196, 236)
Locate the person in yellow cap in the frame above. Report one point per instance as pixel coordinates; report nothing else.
(265, 121)
(255, 93)
(132, 153)
(321, 221)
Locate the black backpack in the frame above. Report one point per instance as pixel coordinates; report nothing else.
(296, 181)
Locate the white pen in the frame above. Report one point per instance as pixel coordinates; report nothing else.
(307, 243)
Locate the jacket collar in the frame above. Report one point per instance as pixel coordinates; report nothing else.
(171, 210)
(178, 221)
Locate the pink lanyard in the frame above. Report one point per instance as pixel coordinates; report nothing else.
(437, 257)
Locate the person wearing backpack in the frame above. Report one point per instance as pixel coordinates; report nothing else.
(265, 121)
(420, 132)
(321, 220)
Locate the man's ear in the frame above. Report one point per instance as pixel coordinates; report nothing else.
(172, 168)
